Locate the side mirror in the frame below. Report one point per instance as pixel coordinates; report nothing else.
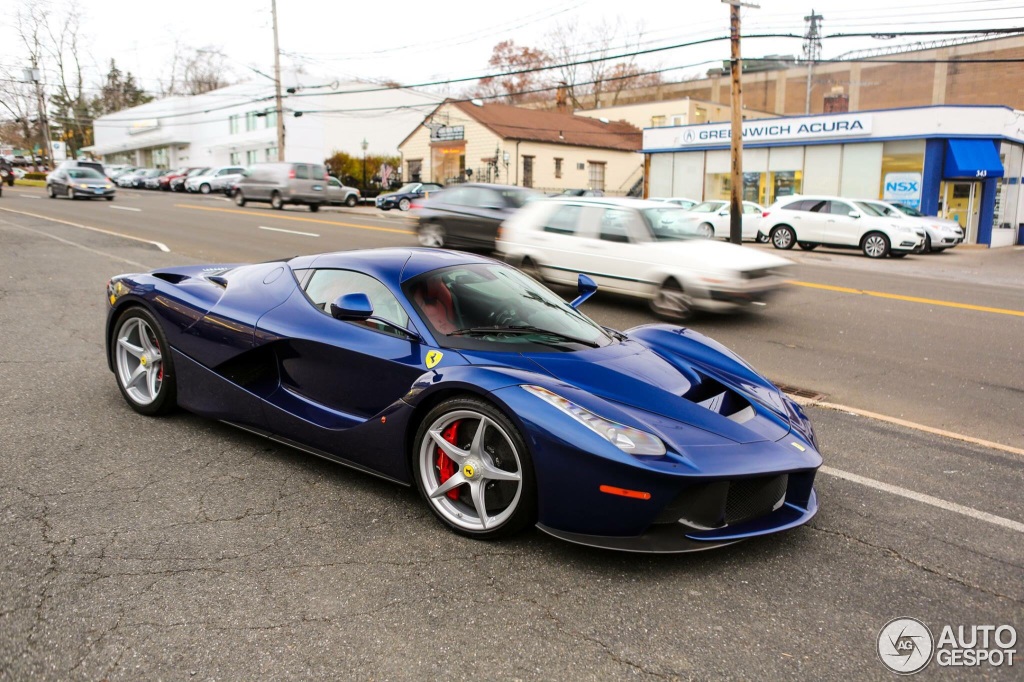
(585, 288)
(352, 307)
(724, 211)
(854, 214)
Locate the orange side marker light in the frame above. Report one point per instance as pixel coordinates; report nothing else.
(625, 492)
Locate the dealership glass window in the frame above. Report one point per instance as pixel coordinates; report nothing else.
(1008, 194)
(233, 124)
(719, 186)
(902, 166)
(160, 157)
(596, 174)
(783, 184)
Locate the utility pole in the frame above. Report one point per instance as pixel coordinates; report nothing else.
(278, 105)
(812, 51)
(736, 134)
(34, 75)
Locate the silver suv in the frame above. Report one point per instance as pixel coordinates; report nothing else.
(840, 223)
(284, 183)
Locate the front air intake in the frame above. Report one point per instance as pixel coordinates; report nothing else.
(715, 396)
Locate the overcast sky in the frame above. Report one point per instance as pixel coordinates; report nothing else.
(424, 41)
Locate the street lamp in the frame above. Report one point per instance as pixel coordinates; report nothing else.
(364, 145)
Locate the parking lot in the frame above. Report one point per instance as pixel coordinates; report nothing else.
(182, 548)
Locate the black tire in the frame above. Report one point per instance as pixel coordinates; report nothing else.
(51, 192)
(276, 202)
(109, 198)
(783, 237)
(807, 246)
(875, 245)
(524, 512)
(431, 235)
(531, 269)
(204, 188)
(901, 254)
(762, 238)
(166, 399)
(939, 250)
(239, 198)
(927, 243)
(671, 303)
(313, 208)
(70, 194)
(350, 200)
(404, 204)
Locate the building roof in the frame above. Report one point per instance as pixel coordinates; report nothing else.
(555, 127)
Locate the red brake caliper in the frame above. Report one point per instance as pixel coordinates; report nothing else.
(445, 465)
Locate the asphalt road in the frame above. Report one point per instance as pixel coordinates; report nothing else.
(180, 548)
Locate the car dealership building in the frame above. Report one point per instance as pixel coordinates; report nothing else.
(959, 162)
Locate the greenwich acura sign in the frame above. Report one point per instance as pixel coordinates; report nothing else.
(777, 130)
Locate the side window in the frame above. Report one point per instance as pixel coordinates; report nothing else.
(325, 286)
(750, 210)
(839, 208)
(817, 206)
(302, 171)
(455, 196)
(334, 182)
(317, 172)
(798, 206)
(564, 220)
(614, 225)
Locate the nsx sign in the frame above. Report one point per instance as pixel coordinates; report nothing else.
(777, 129)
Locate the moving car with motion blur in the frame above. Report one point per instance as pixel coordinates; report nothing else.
(79, 182)
(340, 194)
(281, 184)
(503, 405)
(468, 215)
(646, 249)
(712, 219)
(678, 201)
(403, 197)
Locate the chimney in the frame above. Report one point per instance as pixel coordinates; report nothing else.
(836, 102)
(562, 99)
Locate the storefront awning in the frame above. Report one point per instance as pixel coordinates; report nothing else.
(972, 159)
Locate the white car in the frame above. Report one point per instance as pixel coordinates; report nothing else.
(711, 219)
(813, 221)
(214, 180)
(678, 201)
(638, 248)
(940, 233)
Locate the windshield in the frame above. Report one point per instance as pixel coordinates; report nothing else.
(707, 207)
(670, 223)
(517, 198)
(84, 174)
(913, 212)
(488, 306)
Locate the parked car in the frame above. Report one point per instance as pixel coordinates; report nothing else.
(939, 233)
(140, 179)
(678, 201)
(580, 193)
(178, 184)
(127, 179)
(281, 183)
(836, 222)
(403, 197)
(638, 248)
(153, 181)
(164, 181)
(79, 182)
(213, 180)
(468, 215)
(711, 219)
(339, 194)
(113, 171)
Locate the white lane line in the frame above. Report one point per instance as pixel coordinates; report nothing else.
(30, 196)
(159, 245)
(926, 499)
(910, 425)
(125, 208)
(133, 263)
(279, 229)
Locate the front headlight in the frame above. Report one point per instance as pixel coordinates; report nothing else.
(626, 438)
(83, 186)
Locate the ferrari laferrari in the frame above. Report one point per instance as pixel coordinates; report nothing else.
(503, 404)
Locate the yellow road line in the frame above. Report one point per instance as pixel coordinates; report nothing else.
(911, 299)
(277, 215)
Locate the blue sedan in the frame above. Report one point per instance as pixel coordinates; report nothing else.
(502, 404)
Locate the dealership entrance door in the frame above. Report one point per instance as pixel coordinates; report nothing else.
(961, 201)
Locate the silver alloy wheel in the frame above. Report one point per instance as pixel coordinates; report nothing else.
(404, 204)
(431, 235)
(139, 361)
(204, 188)
(874, 246)
(782, 238)
(672, 302)
(706, 230)
(482, 469)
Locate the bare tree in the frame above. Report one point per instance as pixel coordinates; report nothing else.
(514, 88)
(195, 71)
(70, 105)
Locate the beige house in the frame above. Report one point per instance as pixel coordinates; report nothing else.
(548, 150)
(677, 112)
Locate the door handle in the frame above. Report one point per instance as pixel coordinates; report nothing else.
(593, 246)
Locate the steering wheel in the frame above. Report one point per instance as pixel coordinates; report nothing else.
(504, 317)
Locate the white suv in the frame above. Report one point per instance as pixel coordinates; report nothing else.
(838, 222)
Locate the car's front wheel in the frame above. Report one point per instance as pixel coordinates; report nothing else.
(51, 192)
(142, 363)
(204, 188)
(783, 237)
(706, 230)
(350, 200)
(875, 245)
(239, 198)
(474, 470)
(672, 302)
(431, 235)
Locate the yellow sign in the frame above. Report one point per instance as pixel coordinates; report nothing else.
(468, 471)
(434, 357)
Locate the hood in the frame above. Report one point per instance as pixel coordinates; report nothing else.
(634, 376)
(714, 253)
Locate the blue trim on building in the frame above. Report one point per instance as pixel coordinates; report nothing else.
(972, 159)
(836, 140)
(987, 210)
(931, 177)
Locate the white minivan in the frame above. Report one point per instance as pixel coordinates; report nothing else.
(838, 222)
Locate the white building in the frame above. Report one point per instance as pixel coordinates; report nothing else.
(236, 125)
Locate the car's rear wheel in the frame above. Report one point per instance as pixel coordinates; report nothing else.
(474, 470)
(142, 363)
(276, 202)
(807, 246)
(875, 245)
(204, 188)
(901, 254)
(783, 237)
(350, 200)
(706, 230)
(762, 238)
(313, 208)
(404, 204)
(239, 198)
(531, 269)
(671, 301)
(431, 235)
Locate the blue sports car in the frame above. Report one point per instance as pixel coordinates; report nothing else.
(504, 405)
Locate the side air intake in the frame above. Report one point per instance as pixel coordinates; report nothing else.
(713, 395)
